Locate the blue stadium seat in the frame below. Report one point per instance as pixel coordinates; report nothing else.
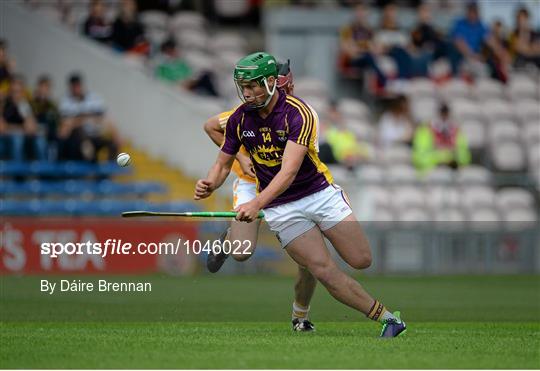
(13, 168)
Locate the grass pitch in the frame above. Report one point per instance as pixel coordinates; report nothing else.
(243, 322)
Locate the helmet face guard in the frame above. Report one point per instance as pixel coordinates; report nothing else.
(256, 67)
(262, 81)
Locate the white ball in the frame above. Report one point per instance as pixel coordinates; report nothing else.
(123, 159)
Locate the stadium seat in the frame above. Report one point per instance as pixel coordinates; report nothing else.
(465, 109)
(193, 40)
(363, 130)
(413, 215)
(382, 216)
(154, 19)
(519, 218)
(527, 110)
(424, 109)
(402, 173)
(307, 86)
(370, 173)
(397, 154)
(514, 197)
(531, 133)
(496, 110)
(421, 88)
(500, 131)
(484, 219)
(488, 89)
(473, 197)
(353, 109)
(318, 103)
(508, 156)
(378, 196)
(187, 20)
(473, 174)
(440, 175)
(474, 131)
(522, 87)
(455, 88)
(404, 197)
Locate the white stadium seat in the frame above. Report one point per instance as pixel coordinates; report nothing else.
(404, 197)
(186, 20)
(307, 86)
(353, 109)
(363, 130)
(402, 173)
(473, 174)
(398, 154)
(424, 109)
(508, 156)
(440, 196)
(370, 173)
(413, 216)
(514, 197)
(421, 88)
(488, 89)
(498, 110)
(154, 19)
(455, 88)
(522, 87)
(477, 196)
(440, 175)
(527, 110)
(475, 133)
(465, 109)
(503, 130)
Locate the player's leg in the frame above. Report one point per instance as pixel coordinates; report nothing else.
(309, 250)
(303, 292)
(339, 225)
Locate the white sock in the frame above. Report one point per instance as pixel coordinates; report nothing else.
(299, 311)
(386, 315)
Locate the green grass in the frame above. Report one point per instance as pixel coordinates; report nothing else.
(243, 322)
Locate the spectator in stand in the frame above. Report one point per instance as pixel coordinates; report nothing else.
(84, 128)
(7, 66)
(128, 31)
(470, 38)
(346, 148)
(524, 41)
(18, 124)
(396, 43)
(46, 111)
(357, 48)
(96, 26)
(172, 68)
(396, 124)
(440, 143)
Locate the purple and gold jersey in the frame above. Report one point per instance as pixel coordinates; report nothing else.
(265, 140)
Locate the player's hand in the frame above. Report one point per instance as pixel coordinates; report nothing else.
(203, 189)
(248, 212)
(246, 165)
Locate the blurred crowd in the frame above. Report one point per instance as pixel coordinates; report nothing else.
(35, 126)
(470, 47)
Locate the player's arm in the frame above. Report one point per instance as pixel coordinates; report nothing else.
(214, 131)
(216, 176)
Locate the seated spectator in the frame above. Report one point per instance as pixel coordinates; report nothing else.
(524, 41)
(128, 31)
(346, 148)
(18, 125)
(170, 67)
(396, 125)
(470, 37)
(46, 110)
(84, 128)
(357, 49)
(396, 43)
(96, 26)
(440, 143)
(7, 66)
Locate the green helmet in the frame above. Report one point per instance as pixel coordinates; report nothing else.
(256, 67)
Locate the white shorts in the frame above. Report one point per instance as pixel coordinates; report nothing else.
(243, 191)
(325, 209)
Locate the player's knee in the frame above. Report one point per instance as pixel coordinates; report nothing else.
(323, 272)
(361, 261)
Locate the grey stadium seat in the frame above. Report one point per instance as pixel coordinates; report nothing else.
(484, 218)
(498, 110)
(402, 173)
(477, 196)
(353, 109)
(440, 196)
(473, 174)
(514, 197)
(404, 197)
(508, 156)
(488, 89)
(475, 133)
